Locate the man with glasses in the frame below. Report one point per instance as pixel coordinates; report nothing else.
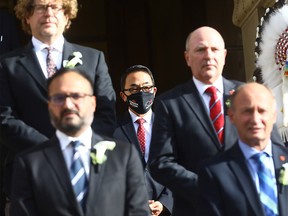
(58, 177)
(138, 91)
(24, 118)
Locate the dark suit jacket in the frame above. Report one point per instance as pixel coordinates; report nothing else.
(226, 187)
(125, 131)
(182, 136)
(24, 118)
(42, 187)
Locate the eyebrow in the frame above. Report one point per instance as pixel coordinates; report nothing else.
(133, 84)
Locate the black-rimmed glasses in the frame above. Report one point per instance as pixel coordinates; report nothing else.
(137, 89)
(59, 99)
(42, 8)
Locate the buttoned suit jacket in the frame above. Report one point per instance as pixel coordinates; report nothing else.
(227, 188)
(41, 183)
(24, 118)
(183, 135)
(125, 131)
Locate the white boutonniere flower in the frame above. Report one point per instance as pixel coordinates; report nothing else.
(98, 155)
(283, 177)
(76, 59)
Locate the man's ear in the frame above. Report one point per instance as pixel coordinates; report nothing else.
(155, 90)
(123, 96)
(186, 57)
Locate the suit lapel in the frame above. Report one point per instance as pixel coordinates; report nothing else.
(95, 177)
(196, 103)
(280, 157)
(128, 130)
(55, 157)
(239, 167)
(68, 50)
(230, 133)
(29, 61)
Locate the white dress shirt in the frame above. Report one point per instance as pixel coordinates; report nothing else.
(41, 53)
(148, 129)
(252, 164)
(201, 87)
(84, 150)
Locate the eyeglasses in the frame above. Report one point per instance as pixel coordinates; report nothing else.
(42, 8)
(76, 98)
(137, 89)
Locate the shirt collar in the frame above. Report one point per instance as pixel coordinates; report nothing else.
(202, 86)
(57, 45)
(250, 151)
(148, 117)
(84, 138)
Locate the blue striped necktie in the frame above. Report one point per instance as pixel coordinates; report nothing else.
(267, 186)
(77, 175)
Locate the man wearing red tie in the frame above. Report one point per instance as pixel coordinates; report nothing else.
(188, 125)
(138, 91)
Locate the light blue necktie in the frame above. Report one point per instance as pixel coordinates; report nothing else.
(267, 186)
(77, 175)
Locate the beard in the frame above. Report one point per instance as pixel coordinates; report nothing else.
(70, 128)
(67, 125)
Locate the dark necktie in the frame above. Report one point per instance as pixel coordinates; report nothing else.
(267, 186)
(51, 66)
(216, 115)
(77, 175)
(141, 134)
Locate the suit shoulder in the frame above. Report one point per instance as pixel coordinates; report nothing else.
(82, 48)
(235, 83)
(35, 149)
(119, 143)
(220, 159)
(174, 92)
(281, 148)
(12, 54)
(123, 119)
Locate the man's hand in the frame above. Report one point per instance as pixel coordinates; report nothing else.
(155, 207)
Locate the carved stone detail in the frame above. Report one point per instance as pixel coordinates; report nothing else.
(242, 9)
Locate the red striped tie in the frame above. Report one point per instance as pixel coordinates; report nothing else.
(216, 115)
(141, 134)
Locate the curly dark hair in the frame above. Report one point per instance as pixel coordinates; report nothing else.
(24, 9)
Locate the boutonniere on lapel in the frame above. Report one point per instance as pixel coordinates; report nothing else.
(283, 176)
(98, 153)
(227, 100)
(73, 61)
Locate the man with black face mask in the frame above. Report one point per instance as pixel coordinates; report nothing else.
(138, 91)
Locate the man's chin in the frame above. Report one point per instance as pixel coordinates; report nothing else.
(48, 31)
(69, 128)
(256, 140)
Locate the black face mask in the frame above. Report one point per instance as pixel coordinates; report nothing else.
(140, 102)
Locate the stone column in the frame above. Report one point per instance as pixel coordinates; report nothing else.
(246, 15)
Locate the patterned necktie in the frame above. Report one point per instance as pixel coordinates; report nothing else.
(51, 66)
(216, 115)
(267, 186)
(77, 175)
(141, 134)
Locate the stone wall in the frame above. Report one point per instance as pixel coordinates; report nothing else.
(246, 15)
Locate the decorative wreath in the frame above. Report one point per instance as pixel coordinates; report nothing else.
(272, 59)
